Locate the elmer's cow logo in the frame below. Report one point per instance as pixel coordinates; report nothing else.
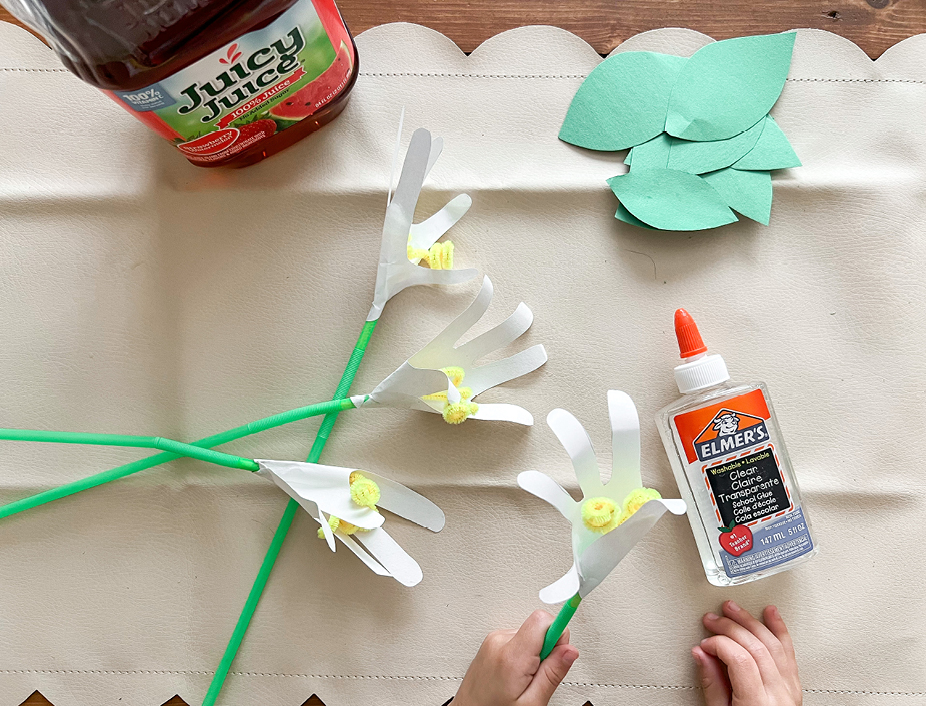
(726, 424)
(728, 432)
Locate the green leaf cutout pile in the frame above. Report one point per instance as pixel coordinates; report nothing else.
(702, 144)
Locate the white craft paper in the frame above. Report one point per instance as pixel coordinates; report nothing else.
(422, 373)
(625, 478)
(604, 554)
(404, 502)
(423, 235)
(325, 490)
(317, 487)
(364, 556)
(391, 556)
(395, 271)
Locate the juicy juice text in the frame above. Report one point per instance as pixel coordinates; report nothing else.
(239, 97)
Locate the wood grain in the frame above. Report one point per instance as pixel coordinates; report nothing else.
(874, 25)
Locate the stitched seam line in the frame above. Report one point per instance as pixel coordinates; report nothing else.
(867, 693)
(43, 71)
(860, 80)
(385, 677)
(466, 75)
(425, 74)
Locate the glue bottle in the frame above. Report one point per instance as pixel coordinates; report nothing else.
(732, 468)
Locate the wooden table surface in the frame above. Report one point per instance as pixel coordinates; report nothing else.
(874, 25)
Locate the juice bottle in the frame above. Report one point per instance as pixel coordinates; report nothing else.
(732, 468)
(228, 82)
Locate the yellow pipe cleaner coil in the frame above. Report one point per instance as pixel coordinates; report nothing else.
(602, 514)
(439, 257)
(455, 412)
(637, 499)
(364, 492)
(459, 412)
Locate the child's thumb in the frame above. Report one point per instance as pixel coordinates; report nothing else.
(714, 682)
(551, 673)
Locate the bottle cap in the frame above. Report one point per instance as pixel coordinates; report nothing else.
(699, 371)
(689, 338)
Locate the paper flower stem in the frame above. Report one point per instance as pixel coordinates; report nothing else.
(559, 625)
(260, 582)
(215, 440)
(130, 441)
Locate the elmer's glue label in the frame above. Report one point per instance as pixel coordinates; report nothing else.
(732, 468)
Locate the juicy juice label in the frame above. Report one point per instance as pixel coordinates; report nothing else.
(730, 447)
(260, 84)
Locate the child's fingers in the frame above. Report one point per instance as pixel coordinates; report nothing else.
(752, 644)
(778, 628)
(564, 638)
(714, 682)
(551, 673)
(528, 640)
(742, 670)
(763, 633)
(789, 669)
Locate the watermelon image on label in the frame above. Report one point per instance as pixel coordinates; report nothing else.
(308, 99)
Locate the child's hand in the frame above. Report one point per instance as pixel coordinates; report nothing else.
(746, 663)
(507, 670)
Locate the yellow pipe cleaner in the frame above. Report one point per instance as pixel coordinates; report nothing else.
(365, 493)
(600, 514)
(455, 412)
(439, 257)
(603, 515)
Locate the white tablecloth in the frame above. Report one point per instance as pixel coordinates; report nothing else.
(139, 294)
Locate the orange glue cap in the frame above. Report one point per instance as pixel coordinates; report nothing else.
(689, 338)
(699, 371)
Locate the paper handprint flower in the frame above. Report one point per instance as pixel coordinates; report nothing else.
(405, 244)
(346, 502)
(443, 378)
(620, 508)
(352, 499)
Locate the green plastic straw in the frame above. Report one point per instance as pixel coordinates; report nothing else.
(555, 631)
(128, 469)
(142, 442)
(260, 582)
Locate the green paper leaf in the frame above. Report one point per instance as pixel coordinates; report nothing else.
(747, 192)
(653, 154)
(728, 86)
(671, 200)
(772, 151)
(629, 158)
(622, 102)
(627, 217)
(702, 157)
